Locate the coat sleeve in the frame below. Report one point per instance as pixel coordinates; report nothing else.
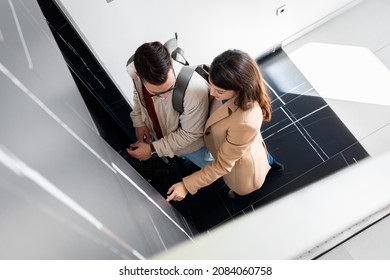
(135, 115)
(192, 120)
(238, 139)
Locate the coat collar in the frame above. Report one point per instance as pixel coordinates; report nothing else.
(222, 112)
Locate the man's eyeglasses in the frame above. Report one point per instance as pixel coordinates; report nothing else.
(158, 94)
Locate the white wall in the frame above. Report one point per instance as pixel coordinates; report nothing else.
(205, 27)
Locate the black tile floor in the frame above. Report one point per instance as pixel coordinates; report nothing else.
(304, 134)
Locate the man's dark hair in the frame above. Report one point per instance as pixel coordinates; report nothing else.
(152, 62)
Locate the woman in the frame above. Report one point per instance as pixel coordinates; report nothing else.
(232, 132)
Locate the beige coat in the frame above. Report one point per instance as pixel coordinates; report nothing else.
(234, 139)
(183, 133)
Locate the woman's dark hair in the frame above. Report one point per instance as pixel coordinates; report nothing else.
(152, 63)
(236, 70)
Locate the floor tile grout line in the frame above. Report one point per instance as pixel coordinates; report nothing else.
(303, 134)
(294, 123)
(277, 96)
(309, 135)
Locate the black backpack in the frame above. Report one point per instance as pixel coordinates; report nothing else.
(185, 74)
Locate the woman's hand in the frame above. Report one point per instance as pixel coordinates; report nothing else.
(177, 192)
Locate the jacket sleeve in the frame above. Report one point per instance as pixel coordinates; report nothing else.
(135, 115)
(192, 120)
(238, 139)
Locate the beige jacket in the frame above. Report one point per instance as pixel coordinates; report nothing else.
(183, 133)
(234, 139)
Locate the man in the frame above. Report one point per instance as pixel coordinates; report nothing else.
(159, 128)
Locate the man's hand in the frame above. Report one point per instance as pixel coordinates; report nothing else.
(140, 150)
(177, 192)
(143, 135)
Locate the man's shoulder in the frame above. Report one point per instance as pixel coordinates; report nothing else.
(131, 70)
(197, 85)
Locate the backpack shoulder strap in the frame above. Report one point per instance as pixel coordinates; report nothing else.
(203, 70)
(182, 81)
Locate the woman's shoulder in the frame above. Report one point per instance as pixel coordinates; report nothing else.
(252, 114)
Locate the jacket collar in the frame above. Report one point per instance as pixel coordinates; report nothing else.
(222, 112)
